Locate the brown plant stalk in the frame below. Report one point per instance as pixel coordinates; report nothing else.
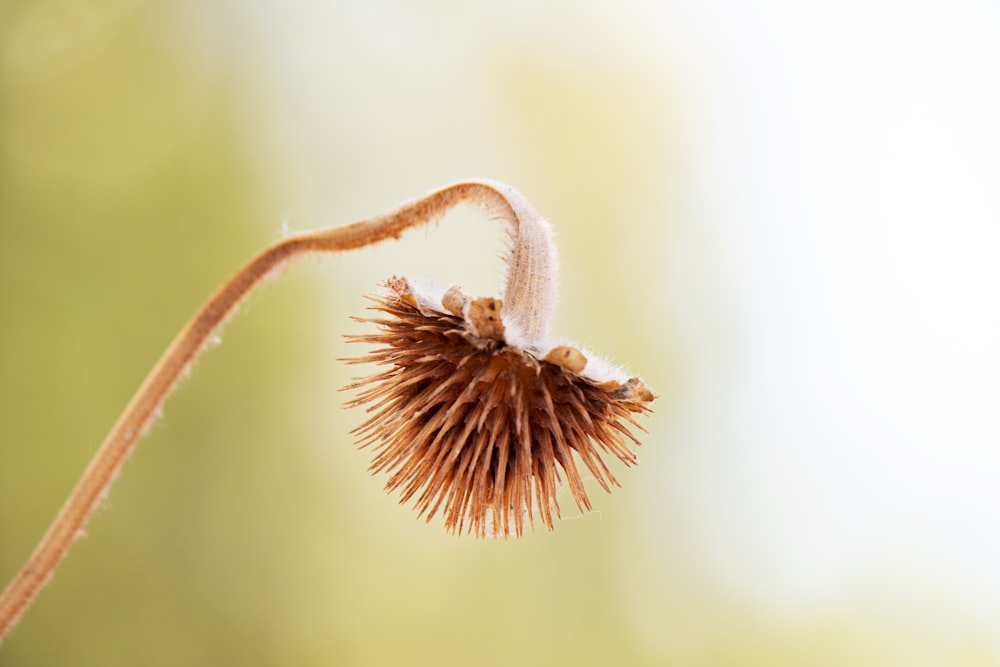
(482, 484)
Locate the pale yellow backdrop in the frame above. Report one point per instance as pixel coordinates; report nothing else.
(784, 216)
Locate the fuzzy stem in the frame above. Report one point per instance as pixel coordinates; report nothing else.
(531, 253)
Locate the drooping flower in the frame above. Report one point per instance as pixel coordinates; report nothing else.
(477, 412)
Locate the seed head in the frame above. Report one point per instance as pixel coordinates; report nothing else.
(478, 428)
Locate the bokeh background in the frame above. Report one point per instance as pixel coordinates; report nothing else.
(785, 216)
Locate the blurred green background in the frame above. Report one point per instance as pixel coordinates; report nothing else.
(743, 219)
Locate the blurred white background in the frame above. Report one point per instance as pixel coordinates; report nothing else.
(833, 266)
(784, 215)
(834, 261)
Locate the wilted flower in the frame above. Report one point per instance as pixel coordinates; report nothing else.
(476, 416)
(477, 412)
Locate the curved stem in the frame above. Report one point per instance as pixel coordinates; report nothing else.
(141, 411)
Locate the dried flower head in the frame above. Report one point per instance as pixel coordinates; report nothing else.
(476, 415)
(478, 428)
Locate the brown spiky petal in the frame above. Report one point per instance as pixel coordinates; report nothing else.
(478, 429)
